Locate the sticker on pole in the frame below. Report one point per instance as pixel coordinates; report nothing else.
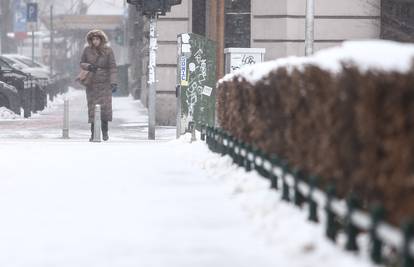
(207, 90)
(183, 71)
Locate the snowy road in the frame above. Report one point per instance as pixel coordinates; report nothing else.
(132, 202)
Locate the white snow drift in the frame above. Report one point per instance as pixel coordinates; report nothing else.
(380, 55)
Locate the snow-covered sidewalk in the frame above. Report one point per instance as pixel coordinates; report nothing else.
(132, 202)
(130, 121)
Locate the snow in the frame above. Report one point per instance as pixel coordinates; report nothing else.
(116, 205)
(147, 204)
(375, 55)
(134, 202)
(283, 227)
(59, 100)
(7, 114)
(105, 7)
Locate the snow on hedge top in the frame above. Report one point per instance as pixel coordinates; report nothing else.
(377, 55)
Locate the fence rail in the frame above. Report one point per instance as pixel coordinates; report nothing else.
(300, 189)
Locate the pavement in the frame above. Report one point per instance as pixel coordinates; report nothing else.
(124, 203)
(130, 122)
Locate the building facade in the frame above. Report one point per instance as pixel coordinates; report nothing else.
(276, 25)
(279, 25)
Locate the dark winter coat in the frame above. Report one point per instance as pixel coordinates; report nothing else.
(100, 92)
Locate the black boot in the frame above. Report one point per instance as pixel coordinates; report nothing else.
(92, 131)
(105, 135)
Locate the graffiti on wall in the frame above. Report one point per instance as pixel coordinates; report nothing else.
(239, 61)
(198, 69)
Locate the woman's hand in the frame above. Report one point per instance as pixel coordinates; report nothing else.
(114, 87)
(92, 68)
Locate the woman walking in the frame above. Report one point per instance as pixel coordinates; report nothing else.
(98, 58)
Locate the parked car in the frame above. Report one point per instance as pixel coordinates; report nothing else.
(26, 65)
(31, 92)
(9, 97)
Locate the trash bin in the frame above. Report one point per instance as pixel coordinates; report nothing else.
(123, 81)
(237, 58)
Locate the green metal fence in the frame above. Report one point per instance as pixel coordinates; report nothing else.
(300, 189)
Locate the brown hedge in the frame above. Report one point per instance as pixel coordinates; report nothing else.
(355, 129)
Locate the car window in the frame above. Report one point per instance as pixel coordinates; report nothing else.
(37, 64)
(11, 62)
(4, 65)
(27, 62)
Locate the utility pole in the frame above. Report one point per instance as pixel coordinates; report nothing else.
(152, 9)
(220, 37)
(52, 41)
(152, 94)
(310, 27)
(2, 21)
(33, 45)
(32, 12)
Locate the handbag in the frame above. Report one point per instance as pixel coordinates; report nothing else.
(85, 76)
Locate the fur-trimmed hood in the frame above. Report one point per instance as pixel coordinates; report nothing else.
(99, 33)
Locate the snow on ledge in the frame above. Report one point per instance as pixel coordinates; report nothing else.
(377, 55)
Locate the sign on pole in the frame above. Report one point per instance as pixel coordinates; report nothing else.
(32, 12)
(32, 20)
(19, 17)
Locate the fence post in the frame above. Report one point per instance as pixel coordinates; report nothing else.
(350, 228)
(258, 161)
(208, 137)
(214, 140)
(97, 125)
(226, 137)
(298, 197)
(242, 157)
(26, 102)
(193, 131)
(236, 150)
(266, 173)
(65, 130)
(220, 141)
(203, 132)
(408, 231)
(273, 177)
(247, 163)
(231, 147)
(313, 207)
(255, 151)
(285, 186)
(377, 215)
(331, 227)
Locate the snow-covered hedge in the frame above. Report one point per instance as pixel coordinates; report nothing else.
(345, 114)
